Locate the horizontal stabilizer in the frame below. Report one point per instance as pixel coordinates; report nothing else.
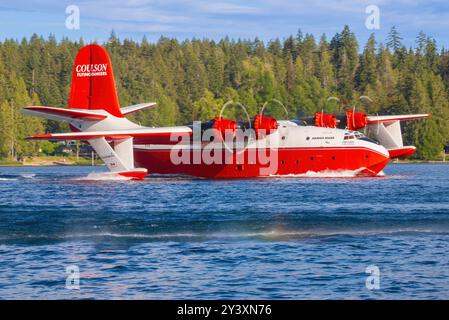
(136, 107)
(378, 119)
(64, 114)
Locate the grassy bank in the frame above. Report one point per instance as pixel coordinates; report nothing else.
(440, 159)
(420, 161)
(9, 163)
(50, 161)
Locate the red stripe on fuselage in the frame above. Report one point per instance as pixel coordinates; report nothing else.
(289, 161)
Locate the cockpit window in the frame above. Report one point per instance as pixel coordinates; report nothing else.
(350, 135)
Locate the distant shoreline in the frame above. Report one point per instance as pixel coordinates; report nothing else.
(420, 161)
(46, 161)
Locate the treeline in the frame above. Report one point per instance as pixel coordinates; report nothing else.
(191, 80)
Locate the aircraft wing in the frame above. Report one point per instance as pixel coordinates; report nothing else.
(378, 119)
(141, 136)
(64, 114)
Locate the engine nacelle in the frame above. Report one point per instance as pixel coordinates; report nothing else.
(325, 120)
(264, 125)
(224, 126)
(356, 120)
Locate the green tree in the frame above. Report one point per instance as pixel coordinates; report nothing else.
(206, 108)
(325, 70)
(428, 140)
(193, 78)
(368, 65)
(394, 39)
(345, 58)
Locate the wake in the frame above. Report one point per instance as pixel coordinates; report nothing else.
(103, 176)
(329, 174)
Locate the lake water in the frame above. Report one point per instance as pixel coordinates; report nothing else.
(307, 237)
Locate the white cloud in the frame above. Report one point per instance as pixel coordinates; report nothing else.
(227, 8)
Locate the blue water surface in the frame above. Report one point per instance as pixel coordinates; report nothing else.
(180, 238)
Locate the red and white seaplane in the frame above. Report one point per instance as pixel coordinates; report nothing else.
(220, 148)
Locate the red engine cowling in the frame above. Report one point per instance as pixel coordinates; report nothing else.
(224, 126)
(356, 120)
(264, 125)
(325, 120)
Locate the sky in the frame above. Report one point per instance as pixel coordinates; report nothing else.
(214, 19)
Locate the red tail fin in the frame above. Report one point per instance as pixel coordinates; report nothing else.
(93, 85)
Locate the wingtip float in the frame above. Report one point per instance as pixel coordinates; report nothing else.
(319, 144)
